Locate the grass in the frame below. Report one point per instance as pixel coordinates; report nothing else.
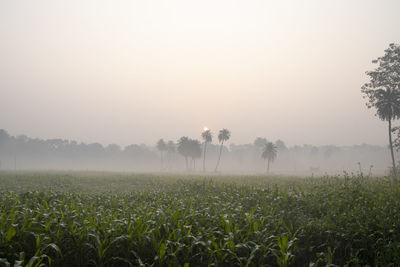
(113, 219)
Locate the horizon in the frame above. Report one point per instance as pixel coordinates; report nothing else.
(216, 143)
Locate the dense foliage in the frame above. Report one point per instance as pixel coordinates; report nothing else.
(108, 219)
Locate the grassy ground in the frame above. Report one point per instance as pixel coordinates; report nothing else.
(113, 219)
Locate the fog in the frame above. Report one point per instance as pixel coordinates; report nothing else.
(23, 153)
(132, 72)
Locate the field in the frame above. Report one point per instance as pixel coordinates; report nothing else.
(113, 219)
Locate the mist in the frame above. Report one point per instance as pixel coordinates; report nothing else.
(199, 133)
(78, 76)
(23, 153)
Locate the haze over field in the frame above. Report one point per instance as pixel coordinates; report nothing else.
(199, 133)
(135, 71)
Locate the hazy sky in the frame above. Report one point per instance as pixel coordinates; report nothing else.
(135, 71)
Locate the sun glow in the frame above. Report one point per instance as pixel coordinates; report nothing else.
(205, 129)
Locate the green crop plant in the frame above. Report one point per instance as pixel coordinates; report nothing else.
(113, 219)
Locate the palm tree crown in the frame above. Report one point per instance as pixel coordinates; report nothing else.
(162, 146)
(269, 153)
(387, 104)
(207, 136)
(224, 135)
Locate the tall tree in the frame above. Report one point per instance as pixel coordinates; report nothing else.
(223, 136)
(195, 151)
(269, 153)
(383, 90)
(183, 149)
(171, 149)
(162, 146)
(189, 148)
(207, 137)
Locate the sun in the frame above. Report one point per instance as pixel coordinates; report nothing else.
(205, 129)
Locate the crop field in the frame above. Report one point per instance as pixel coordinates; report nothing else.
(114, 219)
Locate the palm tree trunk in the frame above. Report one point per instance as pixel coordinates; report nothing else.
(204, 156)
(219, 157)
(187, 165)
(268, 167)
(391, 148)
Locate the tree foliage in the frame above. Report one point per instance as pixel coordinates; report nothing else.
(207, 137)
(223, 136)
(161, 145)
(269, 153)
(383, 90)
(260, 142)
(189, 148)
(385, 77)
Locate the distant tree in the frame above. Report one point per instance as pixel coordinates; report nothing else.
(93, 148)
(171, 149)
(280, 145)
(330, 150)
(260, 142)
(383, 90)
(134, 150)
(269, 153)
(207, 137)
(162, 146)
(4, 140)
(223, 136)
(184, 149)
(113, 148)
(195, 151)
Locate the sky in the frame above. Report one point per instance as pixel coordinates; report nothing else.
(131, 72)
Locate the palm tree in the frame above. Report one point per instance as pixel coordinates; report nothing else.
(207, 137)
(194, 151)
(183, 149)
(383, 90)
(388, 108)
(223, 136)
(162, 146)
(171, 148)
(269, 153)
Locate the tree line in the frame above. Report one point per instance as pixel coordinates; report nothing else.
(21, 152)
(191, 149)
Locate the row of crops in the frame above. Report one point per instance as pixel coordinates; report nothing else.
(108, 219)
